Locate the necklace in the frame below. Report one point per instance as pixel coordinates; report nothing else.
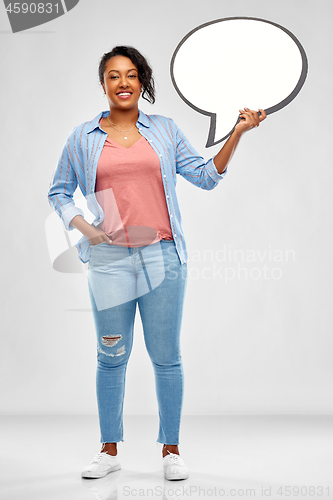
(120, 131)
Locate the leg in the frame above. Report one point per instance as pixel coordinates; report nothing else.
(114, 329)
(111, 280)
(161, 312)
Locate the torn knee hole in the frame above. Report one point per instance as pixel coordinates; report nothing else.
(119, 352)
(111, 340)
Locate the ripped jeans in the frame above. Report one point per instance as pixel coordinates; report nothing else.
(119, 278)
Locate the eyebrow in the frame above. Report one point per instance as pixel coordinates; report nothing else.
(116, 71)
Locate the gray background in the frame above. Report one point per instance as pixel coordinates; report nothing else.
(249, 344)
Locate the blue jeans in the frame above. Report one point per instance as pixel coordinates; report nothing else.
(119, 278)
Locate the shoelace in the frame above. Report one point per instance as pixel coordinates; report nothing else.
(98, 458)
(173, 458)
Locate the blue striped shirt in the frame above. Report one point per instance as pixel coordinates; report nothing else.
(77, 167)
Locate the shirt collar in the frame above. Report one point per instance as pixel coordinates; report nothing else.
(143, 119)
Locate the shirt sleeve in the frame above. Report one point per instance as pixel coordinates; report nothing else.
(192, 166)
(62, 188)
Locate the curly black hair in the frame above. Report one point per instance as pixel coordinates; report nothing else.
(145, 73)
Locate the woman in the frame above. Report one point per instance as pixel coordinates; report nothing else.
(125, 163)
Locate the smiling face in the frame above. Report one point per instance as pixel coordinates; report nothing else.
(121, 83)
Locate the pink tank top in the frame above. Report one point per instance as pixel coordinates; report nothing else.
(130, 190)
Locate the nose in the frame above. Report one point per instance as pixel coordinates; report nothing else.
(123, 81)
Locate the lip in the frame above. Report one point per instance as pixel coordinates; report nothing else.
(124, 94)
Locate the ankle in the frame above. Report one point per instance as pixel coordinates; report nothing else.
(170, 448)
(109, 448)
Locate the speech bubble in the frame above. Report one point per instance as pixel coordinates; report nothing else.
(221, 66)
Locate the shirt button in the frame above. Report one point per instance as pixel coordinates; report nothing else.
(164, 175)
(170, 215)
(167, 196)
(160, 155)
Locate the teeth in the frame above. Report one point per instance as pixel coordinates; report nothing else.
(124, 93)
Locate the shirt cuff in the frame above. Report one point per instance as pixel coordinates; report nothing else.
(68, 213)
(213, 173)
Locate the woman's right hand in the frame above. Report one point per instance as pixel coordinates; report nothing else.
(94, 234)
(98, 236)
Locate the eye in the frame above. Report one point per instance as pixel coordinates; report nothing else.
(112, 77)
(132, 76)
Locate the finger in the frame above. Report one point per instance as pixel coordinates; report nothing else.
(245, 119)
(255, 117)
(263, 114)
(245, 113)
(107, 239)
(249, 117)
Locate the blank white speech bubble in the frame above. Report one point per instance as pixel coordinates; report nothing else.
(226, 64)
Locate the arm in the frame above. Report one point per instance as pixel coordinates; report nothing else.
(249, 119)
(62, 188)
(60, 195)
(192, 166)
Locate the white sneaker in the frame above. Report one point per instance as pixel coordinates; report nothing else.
(101, 465)
(174, 467)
